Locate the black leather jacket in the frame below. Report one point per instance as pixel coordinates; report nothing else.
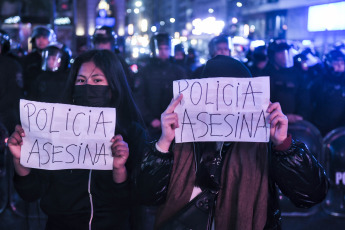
(295, 172)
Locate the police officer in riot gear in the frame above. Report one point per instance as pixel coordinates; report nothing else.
(104, 37)
(51, 82)
(328, 94)
(180, 58)
(40, 38)
(284, 82)
(11, 84)
(219, 45)
(155, 90)
(259, 61)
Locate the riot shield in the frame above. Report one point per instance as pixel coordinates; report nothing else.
(334, 148)
(307, 133)
(3, 168)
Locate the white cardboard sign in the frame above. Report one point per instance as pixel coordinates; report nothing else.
(223, 109)
(62, 136)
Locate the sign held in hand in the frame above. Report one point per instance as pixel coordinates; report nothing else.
(223, 109)
(61, 136)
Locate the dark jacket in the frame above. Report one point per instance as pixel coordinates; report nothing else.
(32, 67)
(71, 198)
(48, 87)
(10, 92)
(328, 95)
(286, 88)
(156, 90)
(294, 171)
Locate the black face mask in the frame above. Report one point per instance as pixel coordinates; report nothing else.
(92, 95)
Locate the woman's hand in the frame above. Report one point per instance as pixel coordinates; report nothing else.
(120, 152)
(279, 123)
(169, 121)
(15, 142)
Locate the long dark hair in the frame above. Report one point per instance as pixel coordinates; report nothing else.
(126, 109)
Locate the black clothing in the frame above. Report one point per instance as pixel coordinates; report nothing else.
(285, 87)
(32, 67)
(156, 90)
(295, 171)
(198, 72)
(48, 87)
(328, 95)
(70, 202)
(10, 92)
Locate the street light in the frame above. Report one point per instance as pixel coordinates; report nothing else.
(143, 25)
(136, 11)
(138, 4)
(239, 4)
(210, 10)
(172, 20)
(153, 29)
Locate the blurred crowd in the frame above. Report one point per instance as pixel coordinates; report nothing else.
(308, 86)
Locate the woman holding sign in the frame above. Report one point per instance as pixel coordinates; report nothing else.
(82, 198)
(228, 185)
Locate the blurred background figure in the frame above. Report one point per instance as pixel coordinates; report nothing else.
(11, 85)
(258, 61)
(52, 81)
(328, 93)
(192, 59)
(285, 85)
(156, 82)
(40, 38)
(180, 58)
(219, 45)
(105, 38)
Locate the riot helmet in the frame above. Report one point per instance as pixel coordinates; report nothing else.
(280, 53)
(5, 42)
(220, 45)
(300, 62)
(56, 57)
(179, 53)
(260, 54)
(340, 46)
(160, 45)
(335, 62)
(312, 59)
(104, 37)
(41, 36)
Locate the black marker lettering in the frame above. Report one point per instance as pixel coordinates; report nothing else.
(48, 143)
(37, 151)
(191, 93)
(185, 114)
(67, 150)
(46, 119)
(197, 117)
(30, 115)
(89, 153)
(206, 102)
(51, 123)
(213, 123)
(75, 118)
(249, 92)
(103, 122)
(232, 129)
(55, 153)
